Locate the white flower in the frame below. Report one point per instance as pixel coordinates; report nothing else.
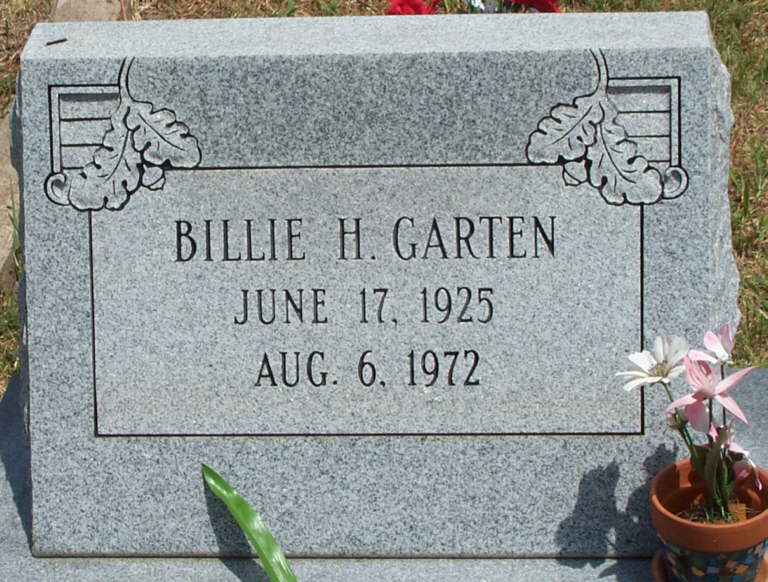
(662, 363)
(477, 5)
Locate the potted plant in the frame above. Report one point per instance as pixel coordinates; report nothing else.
(709, 509)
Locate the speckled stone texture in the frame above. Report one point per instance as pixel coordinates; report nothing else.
(17, 563)
(138, 369)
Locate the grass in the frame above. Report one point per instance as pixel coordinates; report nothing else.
(9, 337)
(17, 17)
(179, 9)
(740, 32)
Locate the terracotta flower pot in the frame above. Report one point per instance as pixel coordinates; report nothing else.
(703, 552)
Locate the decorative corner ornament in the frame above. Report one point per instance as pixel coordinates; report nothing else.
(140, 143)
(586, 139)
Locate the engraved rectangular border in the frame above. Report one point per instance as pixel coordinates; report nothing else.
(98, 434)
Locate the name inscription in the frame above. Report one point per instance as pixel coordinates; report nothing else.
(275, 239)
(460, 237)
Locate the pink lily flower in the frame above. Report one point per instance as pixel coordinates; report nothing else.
(697, 414)
(743, 469)
(699, 356)
(720, 344)
(707, 387)
(730, 443)
(733, 446)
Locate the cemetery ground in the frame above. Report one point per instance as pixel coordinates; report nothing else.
(740, 30)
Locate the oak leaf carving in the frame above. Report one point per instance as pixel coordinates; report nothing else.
(567, 133)
(587, 140)
(616, 170)
(139, 142)
(570, 129)
(575, 173)
(161, 138)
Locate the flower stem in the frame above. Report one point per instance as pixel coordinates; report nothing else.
(682, 427)
(722, 377)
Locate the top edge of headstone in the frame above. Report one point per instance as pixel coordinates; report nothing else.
(369, 35)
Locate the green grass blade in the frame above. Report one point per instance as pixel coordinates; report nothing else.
(272, 558)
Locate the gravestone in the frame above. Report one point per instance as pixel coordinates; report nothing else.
(378, 272)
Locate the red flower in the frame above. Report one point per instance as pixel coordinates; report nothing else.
(540, 5)
(418, 6)
(412, 7)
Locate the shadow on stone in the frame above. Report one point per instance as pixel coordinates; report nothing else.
(587, 531)
(14, 450)
(232, 542)
(638, 530)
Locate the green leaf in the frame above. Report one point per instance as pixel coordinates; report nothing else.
(272, 558)
(726, 482)
(698, 454)
(710, 469)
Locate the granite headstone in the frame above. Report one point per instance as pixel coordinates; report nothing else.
(378, 272)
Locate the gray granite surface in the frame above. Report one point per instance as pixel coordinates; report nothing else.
(17, 562)
(511, 343)
(136, 134)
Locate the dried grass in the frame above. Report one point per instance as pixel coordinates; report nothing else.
(180, 9)
(17, 18)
